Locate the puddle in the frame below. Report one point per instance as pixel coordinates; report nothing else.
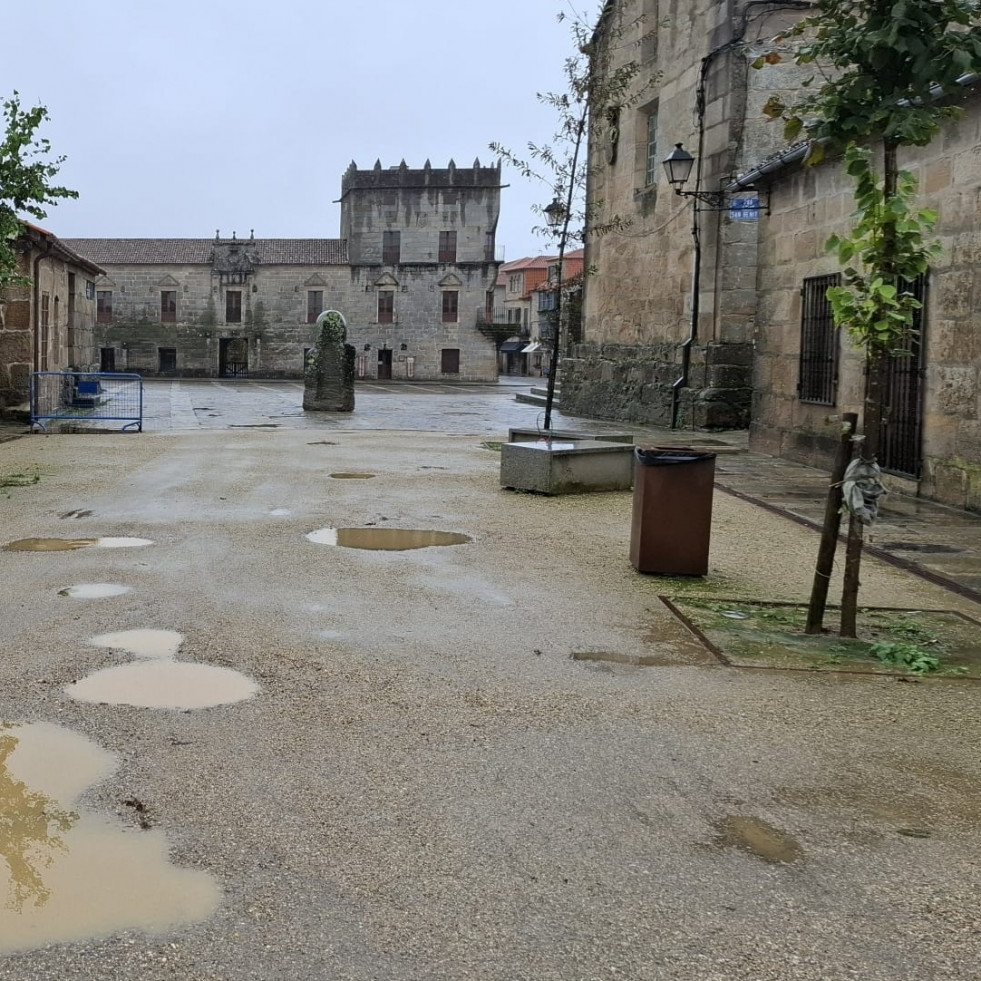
(70, 544)
(280, 512)
(750, 834)
(386, 539)
(94, 590)
(67, 874)
(159, 681)
(142, 643)
(77, 514)
(254, 425)
(352, 476)
(636, 660)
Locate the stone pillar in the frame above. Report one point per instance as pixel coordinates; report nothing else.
(328, 382)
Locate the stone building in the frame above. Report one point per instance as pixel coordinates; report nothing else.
(807, 373)
(670, 300)
(46, 325)
(410, 273)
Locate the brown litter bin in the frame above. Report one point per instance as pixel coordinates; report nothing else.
(672, 511)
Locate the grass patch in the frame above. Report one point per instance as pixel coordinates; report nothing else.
(492, 444)
(917, 642)
(20, 479)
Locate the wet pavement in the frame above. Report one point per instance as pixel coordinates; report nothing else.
(500, 759)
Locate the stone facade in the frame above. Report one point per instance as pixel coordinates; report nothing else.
(414, 266)
(810, 204)
(48, 324)
(695, 86)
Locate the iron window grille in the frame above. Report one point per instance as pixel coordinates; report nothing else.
(818, 379)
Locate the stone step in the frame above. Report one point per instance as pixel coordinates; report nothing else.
(532, 399)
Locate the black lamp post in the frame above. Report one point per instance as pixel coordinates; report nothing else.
(557, 218)
(678, 165)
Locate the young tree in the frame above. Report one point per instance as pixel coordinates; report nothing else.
(26, 170)
(885, 72)
(600, 83)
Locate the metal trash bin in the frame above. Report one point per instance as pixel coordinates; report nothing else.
(671, 524)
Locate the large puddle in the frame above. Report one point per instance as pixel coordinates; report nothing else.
(386, 539)
(351, 476)
(67, 874)
(70, 544)
(158, 680)
(753, 835)
(94, 590)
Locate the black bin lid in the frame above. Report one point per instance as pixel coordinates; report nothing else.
(655, 457)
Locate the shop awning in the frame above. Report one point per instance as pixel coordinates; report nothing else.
(531, 348)
(512, 347)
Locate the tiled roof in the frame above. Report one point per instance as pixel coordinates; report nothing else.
(199, 251)
(61, 248)
(538, 262)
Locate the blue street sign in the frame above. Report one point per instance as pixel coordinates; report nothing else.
(744, 209)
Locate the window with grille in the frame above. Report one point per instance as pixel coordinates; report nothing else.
(451, 305)
(103, 307)
(315, 305)
(818, 343)
(447, 246)
(168, 306)
(391, 248)
(386, 306)
(233, 307)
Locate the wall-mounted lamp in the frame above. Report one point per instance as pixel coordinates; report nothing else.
(403, 347)
(367, 347)
(678, 165)
(555, 214)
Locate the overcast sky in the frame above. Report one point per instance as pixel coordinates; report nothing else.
(183, 117)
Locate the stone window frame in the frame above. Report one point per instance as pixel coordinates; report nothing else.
(391, 247)
(168, 306)
(103, 306)
(450, 306)
(233, 311)
(385, 309)
(447, 246)
(652, 165)
(315, 305)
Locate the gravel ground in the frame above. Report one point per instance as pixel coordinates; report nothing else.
(428, 785)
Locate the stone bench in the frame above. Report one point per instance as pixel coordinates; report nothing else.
(578, 466)
(533, 435)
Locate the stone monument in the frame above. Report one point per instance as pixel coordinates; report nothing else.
(328, 381)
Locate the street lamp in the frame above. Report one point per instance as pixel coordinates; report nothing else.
(555, 214)
(678, 165)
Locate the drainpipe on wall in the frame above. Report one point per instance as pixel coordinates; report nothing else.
(37, 302)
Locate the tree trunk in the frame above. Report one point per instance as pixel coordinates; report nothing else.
(876, 361)
(832, 524)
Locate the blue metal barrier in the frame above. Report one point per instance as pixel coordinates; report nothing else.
(86, 398)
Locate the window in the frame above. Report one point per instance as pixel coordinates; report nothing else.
(315, 305)
(89, 290)
(516, 283)
(103, 307)
(391, 248)
(449, 361)
(488, 246)
(386, 306)
(45, 329)
(168, 306)
(233, 307)
(818, 343)
(451, 304)
(447, 247)
(653, 168)
(167, 359)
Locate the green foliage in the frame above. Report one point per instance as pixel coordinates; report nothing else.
(886, 249)
(878, 66)
(26, 170)
(913, 657)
